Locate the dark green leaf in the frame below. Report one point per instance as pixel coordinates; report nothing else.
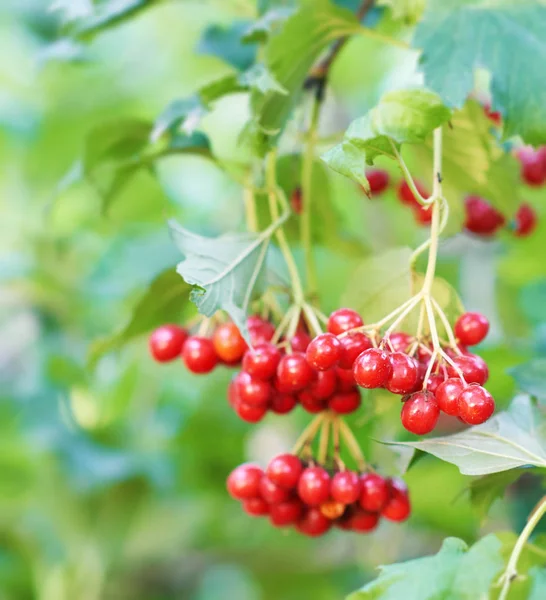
(225, 43)
(485, 490)
(457, 38)
(531, 377)
(510, 439)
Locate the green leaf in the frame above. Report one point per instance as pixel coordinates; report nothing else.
(259, 78)
(457, 572)
(531, 377)
(538, 585)
(510, 439)
(485, 490)
(409, 11)
(457, 38)
(347, 159)
(226, 271)
(267, 24)
(165, 301)
(225, 43)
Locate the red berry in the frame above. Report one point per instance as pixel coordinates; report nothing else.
(286, 513)
(332, 509)
(374, 492)
(282, 404)
(311, 403)
(351, 346)
(166, 342)
(300, 341)
(228, 343)
(406, 196)
(272, 493)
(250, 413)
(475, 404)
(372, 368)
(405, 372)
(433, 382)
(423, 214)
(378, 180)
(481, 217)
(343, 319)
(420, 413)
(256, 507)
(294, 372)
(532, 167)
(314, 486)
(255, 392)
(285, 470)
(473, 368)
(313, 523)
(262, 361)
(494, 116)
(323, 352)
(199, 355)
(398, 507)
(323, 385)
(244, 482)
(471, 328)
(296, 200)
(233, 393)
(260, 331)
(447, 395)
(362, 521)
(345, 487)
(400, 341)
(345, 403)
(525, 220)
(345, 380)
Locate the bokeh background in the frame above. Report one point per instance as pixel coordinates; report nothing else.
(112, 474)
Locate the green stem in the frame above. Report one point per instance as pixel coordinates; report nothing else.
(408, 177)
(324, 439)
(251, 215)
(309, 433)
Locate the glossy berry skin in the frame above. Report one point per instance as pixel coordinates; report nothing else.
(372, 368)
(533, 172)
(362, 521)
(244, 482)
(314, 486)
(345, 403)
(260, 331)
(300, 341)
(343, 319)
(284, 470)
(398, 508)
(332, 509)
(351, 346)
(310, 403)
(525, 220)
(475, 405)
(405, 372)
(471, 328)
(323, 352)
(262, 361)
(166, 342)
(294, 372)
(433, 382)
(282, 404)
(250, 390)
(378, 180)
(405, 195)
(400, 341)
(324, 384)
(473, 368)
(286, 513)
(256, 507)
(313, 523)
(199, 355)
(420, 413)
(374, 492)
(345, 487)
(272, 493)
(447, 395)
(481, 218)
(250, 413)
(228, 343)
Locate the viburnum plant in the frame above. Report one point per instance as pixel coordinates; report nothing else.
(454, 157)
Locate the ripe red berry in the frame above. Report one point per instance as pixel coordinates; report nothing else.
(400, 341)
(362, 521)
(433, 382)
(345, 403)
(166, 342)
(481, 217)
(285, 470)
(262, 361)
(256, 507)
(294, 372)
(345, 487)
(493, 115)
(282, 404)
(199, 355)
(525, 220)
(374, 492)
(272, 493)
(311, 403)
(372, 368)
(296, 200)
(473, 368)
(351, 346)
(260, 331)
(343, 319)
(405, 195)
(313, 523)
(447, 395)
(228, 343)
(475, 404)
(378, 180)
(323, 385)
(420, 413)
(250, 390)
(250, 413)
(314, 486)
(532, 167)
(300, 341)
(286, 513)
(244, 482)
(324, 352)
(405, 371)
(398, 507)
(423, 214)
(471, 328)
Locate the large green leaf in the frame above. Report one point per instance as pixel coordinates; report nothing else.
(510, 439)
(531, 377)
(225, 43)
(485, 490)
(348, 160)
(458, 37)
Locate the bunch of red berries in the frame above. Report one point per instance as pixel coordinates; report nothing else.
(313, 499)
(485, 220)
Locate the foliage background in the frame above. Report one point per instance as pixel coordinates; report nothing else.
(112, 477)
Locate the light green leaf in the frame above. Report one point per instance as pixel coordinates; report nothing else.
(510, 439)
(347, 159)
(457, 38)
(457, 572)
(259, 78)
(531, 377)
(409, 11)
(225, 43)
(268, 23)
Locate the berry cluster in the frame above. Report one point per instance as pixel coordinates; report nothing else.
(533, 165)
(312, 499)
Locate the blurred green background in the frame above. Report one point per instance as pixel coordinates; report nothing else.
(112, 477)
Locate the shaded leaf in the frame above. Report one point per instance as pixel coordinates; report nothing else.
(347, 159)
(485, 490)
(225, 43)
(531, 377)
